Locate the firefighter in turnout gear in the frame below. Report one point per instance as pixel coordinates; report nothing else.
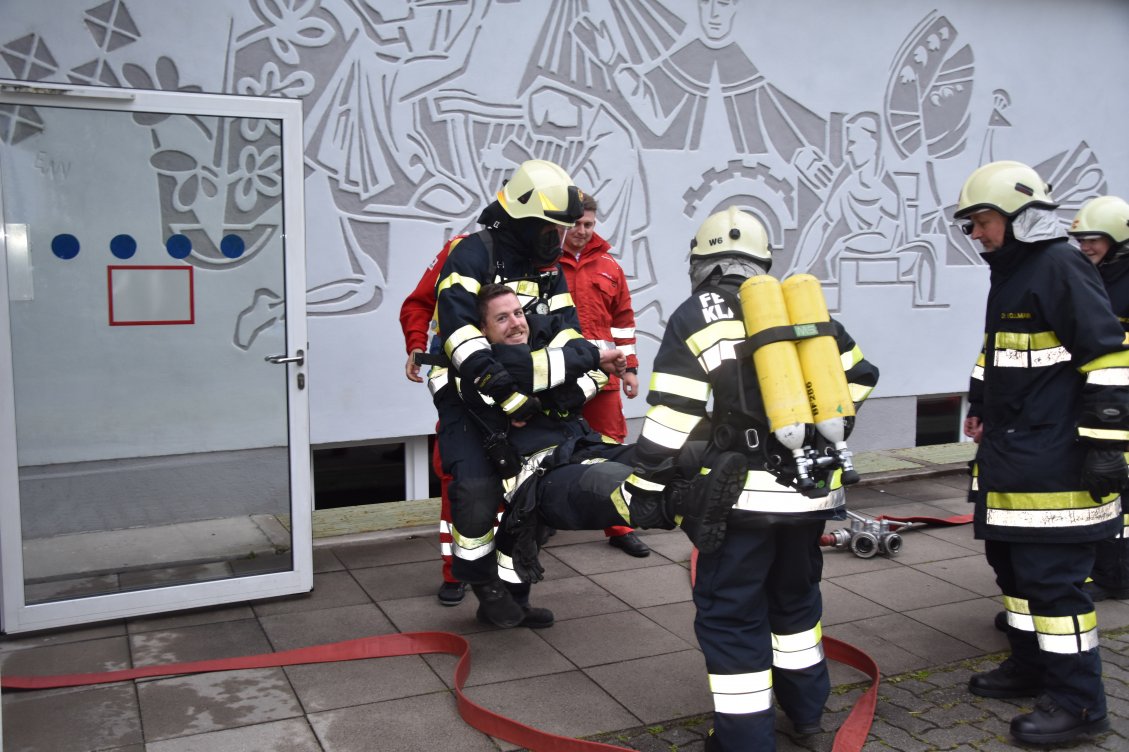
(519, 248)
(1049, 398)
(1101, 228)
(757, 597)
(563, 474)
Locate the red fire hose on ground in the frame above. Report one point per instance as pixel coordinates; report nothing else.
(851, 736)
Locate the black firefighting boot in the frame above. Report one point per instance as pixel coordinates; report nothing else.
(701, 506)
(535, 618)
(1051, 724)
(497, 606)
(1006, 680)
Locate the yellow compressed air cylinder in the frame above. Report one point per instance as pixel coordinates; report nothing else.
(824, 379)
(778, 368)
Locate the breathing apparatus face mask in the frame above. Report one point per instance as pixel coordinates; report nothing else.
(541, 240)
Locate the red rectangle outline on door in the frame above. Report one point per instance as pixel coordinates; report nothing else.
(174, 322)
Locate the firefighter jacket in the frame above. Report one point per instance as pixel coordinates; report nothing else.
(697, 359)
(603, 300)
(1052, 380)
(495, 254)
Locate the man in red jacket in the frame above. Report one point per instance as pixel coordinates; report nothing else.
(416, 315)
(603, 302)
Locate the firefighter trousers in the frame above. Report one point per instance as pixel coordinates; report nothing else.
(579, 496)
(475, 491)
(1060, 642)
(758, 624)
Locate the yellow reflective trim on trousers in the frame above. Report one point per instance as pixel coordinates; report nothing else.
(797, 651)
(470, 284)
(1118, 359)
(1071, 644)
(1050, 500)
(980, 361)
(705, 338)
(621, 505)
(668, 417)
(642, 484)
(1026, 340)
(506, 571)
(1019, 614)
(471, 549)
(1103, 433)
(1017, 605)
(1108, 377)
(1067, 635)
(1065, 625)
(754, 681)
(798, 660)
(859, 392)
(680, 386)
(798, 640)
(741, 694)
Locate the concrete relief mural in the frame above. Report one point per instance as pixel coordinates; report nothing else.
(656, 107)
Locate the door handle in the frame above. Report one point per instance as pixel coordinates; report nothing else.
(300, 358)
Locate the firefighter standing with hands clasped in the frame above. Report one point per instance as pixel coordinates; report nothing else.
(757, 597)
(1049, 401)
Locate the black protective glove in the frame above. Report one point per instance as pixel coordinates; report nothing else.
(1104, 472)
(495, 382)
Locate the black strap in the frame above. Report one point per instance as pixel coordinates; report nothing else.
(545, 280)
(432, 359)
(782, 333)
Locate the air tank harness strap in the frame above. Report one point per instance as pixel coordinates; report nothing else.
(782, 333)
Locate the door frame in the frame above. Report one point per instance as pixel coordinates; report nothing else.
(17, 615)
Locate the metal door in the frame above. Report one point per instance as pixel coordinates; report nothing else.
(154, 423)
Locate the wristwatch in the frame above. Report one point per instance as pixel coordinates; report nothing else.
(632, 370)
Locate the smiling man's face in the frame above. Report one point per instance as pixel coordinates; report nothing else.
(503, 322)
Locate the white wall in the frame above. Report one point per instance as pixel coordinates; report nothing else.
(415, 116)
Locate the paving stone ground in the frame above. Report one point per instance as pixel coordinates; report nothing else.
(921, 711)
